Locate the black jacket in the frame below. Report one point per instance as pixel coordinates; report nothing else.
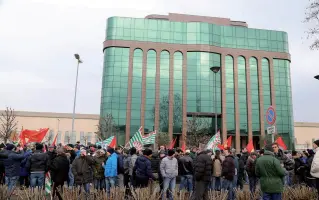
(228, 168)
(12, 163)
(186, 165)
(3, 156)
(155, 163)
(203, 167)
(59, 167)
(37, 162)
(143, 168)
(82, 170)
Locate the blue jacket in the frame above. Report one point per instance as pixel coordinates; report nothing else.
(12, 164)
(143, 168)
(23, 168)
(110, 168)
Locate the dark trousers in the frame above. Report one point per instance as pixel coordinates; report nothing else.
(317, 185)
(24, 181)
(55, 190)
(200, 191)
(141, 182)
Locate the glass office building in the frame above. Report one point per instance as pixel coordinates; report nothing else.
(157, 75)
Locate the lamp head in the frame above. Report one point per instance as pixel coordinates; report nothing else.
(215, 69)
(317, 77)
(77, 56)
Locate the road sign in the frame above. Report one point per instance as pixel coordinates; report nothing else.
(271, 130)
(271, 115)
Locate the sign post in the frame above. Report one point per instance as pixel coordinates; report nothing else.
(271, 120)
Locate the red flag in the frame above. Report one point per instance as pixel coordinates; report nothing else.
(221, 147)
(184, 147)
(250, 146)
(54, 141)
(171, 146)
(227, 144)
(113, 142)
(27, 136)
(281, 143)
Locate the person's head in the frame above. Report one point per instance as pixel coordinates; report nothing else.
(261, 152)
(51, 148)
(162, 147)
(119, 150)
(275, 147)
(10, 147)
(147, 152)
(110, 150)
(315, 144)
(217, 154)
(99, 147)
(209, 152)
(83, 153)
(310, 152)
(78, 142)
(187, 152)
(294, 153)
(244, 150)
(194, 149)
(162, 154)
(60, 151)
(227, 152)
(171, 152)
(253, 155)
(133, 151)
(39, 147)
(126, 152)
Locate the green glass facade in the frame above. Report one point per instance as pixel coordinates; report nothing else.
(200, 81)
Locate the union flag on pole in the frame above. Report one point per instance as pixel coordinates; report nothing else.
(27, 136)
(137, 140)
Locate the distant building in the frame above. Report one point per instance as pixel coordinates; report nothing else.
(157, 75)
(85, 125)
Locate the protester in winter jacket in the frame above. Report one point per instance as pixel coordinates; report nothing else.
(98, 171)
(299, 171)
(143, 169)
(120, 167)
(126, 166)
(271, 175)
(169, 171)
(162, 155)
(217, 171)
(315, 164)
(82, 171)
(24, 172)
(110, 169)
(37, 165)
(288, 164)
(228, 173)
(132, 164)
(12, 165)
(193, 153)
(59, 169)
(250, 168)
(155, 163)
(2, 151)
(310, 180)
(202, 172)
(186, 172)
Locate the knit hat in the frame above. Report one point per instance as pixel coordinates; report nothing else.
(316, 142)
(268, 147)
(110, 150)
(10, 147)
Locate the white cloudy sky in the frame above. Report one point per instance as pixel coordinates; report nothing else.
(39, 37)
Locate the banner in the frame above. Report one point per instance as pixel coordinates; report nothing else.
(214, 142)
(27, 136)
(111, 142)
(150, 139)
(137, 140)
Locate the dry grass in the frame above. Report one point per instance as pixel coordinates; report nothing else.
(300, 192)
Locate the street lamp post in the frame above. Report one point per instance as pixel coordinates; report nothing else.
(77, 57)
(215, 69)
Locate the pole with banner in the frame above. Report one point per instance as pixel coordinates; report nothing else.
(271, 120)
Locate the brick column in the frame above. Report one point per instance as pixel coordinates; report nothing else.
(261, 99)
(171, 95)
(236, 98)
(248, 98)
(157, 94)
(144, 66)
(223, 87)
(129, 96)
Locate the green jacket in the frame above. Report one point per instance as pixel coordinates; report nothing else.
(270, 172)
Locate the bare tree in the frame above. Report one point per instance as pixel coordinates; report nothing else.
(49, 137)
(8, 124)
(106, 127)
(163, 139)
(198, 131)
(312, 18)
(164, 112)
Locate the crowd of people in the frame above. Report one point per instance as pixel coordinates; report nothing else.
(196, 170)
